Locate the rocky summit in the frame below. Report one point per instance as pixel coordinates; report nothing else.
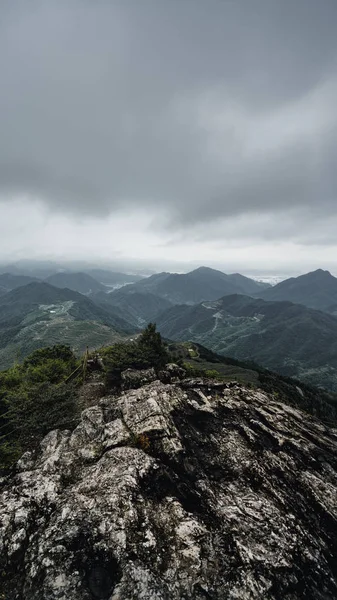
(187, 490)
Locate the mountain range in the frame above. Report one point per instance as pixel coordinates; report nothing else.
(134, 304)
(317, 289)
(39, 314)
(288, 338)
(88, 281)
(278, 327)
(144, 300)
(198, 285)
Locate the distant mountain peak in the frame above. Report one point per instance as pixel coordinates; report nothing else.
(316, 289)
(204, 283)
(320, 272)
(201, 269)
(204, 269)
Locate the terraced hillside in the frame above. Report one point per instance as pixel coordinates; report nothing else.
(291, 339)
(40, 315)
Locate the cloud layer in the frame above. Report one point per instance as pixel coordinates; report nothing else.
(220, 113)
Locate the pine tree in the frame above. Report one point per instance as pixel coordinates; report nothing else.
(152, 347)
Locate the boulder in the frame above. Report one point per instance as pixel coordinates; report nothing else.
(172, 373)
(168, 493)
(135, 378)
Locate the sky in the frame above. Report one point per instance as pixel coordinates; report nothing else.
(170, 133)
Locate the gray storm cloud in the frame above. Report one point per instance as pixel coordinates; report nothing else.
(205, 109)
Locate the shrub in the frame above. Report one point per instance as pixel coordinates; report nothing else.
(146, 352)
(59, 351)
(152, 348)
(212, 374)
(10, 452)
(34, 399)
(35, 411)
(192, 371)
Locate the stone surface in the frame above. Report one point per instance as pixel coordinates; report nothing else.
(136, 378)
(172, 373)
(170, 492)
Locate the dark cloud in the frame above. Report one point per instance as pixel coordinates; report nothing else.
(204, 109)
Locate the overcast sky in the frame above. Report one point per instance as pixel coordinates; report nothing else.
(200, 131)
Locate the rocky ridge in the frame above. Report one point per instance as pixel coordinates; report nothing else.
(186, 490)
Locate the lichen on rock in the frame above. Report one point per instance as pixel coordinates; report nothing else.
(234, 497)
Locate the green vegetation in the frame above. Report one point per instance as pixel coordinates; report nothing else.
(39, 315)
(147, 351)
(35, 398)
(200, 362)
(212, 374)
(316, 290)
(315, 401)
(38, 396)
(291, 339)
(137, 306)
(41, 394)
